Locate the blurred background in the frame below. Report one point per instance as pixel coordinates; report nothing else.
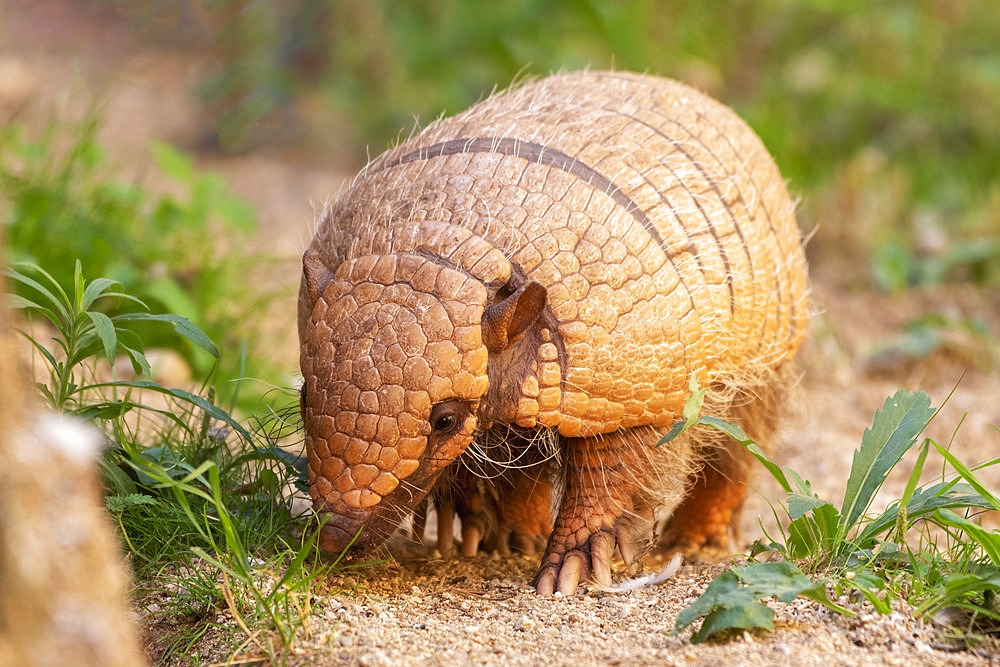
(186, 148)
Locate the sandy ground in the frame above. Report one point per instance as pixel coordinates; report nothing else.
(480, 610)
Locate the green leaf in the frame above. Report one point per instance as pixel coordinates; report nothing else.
(119, 504)
(94, 290)
(893, 430)
(810, 535)
(19, 302)
(719, 590)
(733, 599)
(59, 305)
(923, 503)
(799, 504)
(742, 610)
(692, 408)
(732, 430)
(989, 540)
(139, 362)
(105, 329)
(172, 162)
(968, 476)
(213, 410)
(182, 325)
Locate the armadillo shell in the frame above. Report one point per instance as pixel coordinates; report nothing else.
(653, 215)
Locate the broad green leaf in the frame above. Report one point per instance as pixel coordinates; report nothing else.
(719, 590)
(813, 534)
(733, 599)
(742, 610)
(804, 487)
(781, 580)
(182, 325)
(923, 503)
(893, 431)
(105, 329)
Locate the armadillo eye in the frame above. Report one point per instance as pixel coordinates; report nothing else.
(445, 423)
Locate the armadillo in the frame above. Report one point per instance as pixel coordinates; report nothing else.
(560, 259)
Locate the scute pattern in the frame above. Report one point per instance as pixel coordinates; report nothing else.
(376, 390)
(666, 244)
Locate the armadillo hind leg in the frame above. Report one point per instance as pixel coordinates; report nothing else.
(611, 483)
(706, 523)
(701, 524)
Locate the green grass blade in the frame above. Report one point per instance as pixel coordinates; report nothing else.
(923, 503)
(989, 540)
(893, 430)
(212, 409)
(968, 476)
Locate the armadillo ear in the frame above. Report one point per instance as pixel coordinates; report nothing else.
(503, 322)
(315, 274)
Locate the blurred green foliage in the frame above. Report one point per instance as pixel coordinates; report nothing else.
(877, 112)
(62, 203)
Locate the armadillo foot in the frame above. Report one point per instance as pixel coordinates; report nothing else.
(563, 571)
(594, 517)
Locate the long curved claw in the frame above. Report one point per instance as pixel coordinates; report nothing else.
(545, 585)
(602, 548)
(626, 544)
(574, 568)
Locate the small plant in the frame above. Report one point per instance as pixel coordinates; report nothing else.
(84, 332)
(202, 501)
(846, 549)
(61, 202)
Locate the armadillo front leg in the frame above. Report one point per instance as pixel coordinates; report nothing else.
(602, 498)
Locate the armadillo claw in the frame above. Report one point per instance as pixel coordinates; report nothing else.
(564, 571)
(626, 544)
(602, 548)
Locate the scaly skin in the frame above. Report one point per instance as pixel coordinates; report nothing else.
(563, 256)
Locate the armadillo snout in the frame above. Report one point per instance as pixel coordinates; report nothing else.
(384, 349)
